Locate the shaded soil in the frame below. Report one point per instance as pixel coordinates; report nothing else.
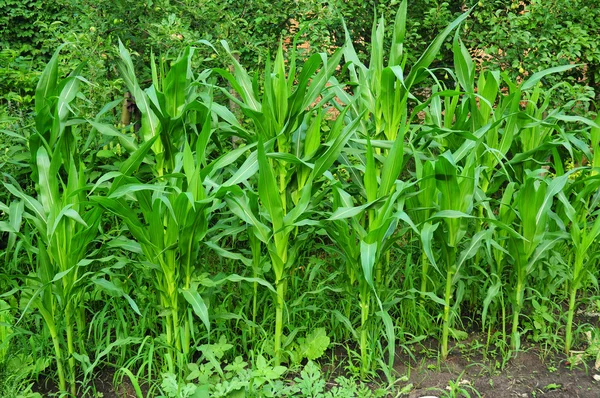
(102, 386)
(524, 376)
(425, 375)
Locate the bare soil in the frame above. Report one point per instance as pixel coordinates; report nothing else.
(103, 386)
(526, 375)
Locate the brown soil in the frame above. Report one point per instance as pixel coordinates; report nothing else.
(103, 386)
(524, 376)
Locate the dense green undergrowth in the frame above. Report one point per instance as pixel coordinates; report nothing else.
(245, 224)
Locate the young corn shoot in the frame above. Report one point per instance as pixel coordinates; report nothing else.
(532, 201)
(63, 223)
(169, 217)
(370, 226)
(581, 209)
(454, 199)
(382, 92)
(290, 156)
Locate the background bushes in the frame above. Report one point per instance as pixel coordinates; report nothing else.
(521, 37)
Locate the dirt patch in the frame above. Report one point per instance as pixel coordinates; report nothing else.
(524, 376)
(530, 374)
(102, 386)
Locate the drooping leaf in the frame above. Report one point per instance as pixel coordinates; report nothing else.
(198, 305)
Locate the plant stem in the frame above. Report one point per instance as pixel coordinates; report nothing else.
(446, 326)
(503, 320)
(515, 339)
(256, 257)
(380, 266)
(450, 258)
(177, 334)
(81, 327)
(365, 299)
(254, 304)
(187, 337)
(424, 272)
(573, 288)
(569, 332)
(279, 320)
(71, 349)
(62, 381)
(168, 324)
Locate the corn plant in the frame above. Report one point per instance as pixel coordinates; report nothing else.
(169, 217)
(421, 208)
(382, 92)
(290, 157)
(278, 110)
(492, 117)
(283, 221)
(528, 208)
(168, 221)
(454, 201)
(580, 202)
(499, 129)
(63, 223)
(538, 132)
(496, 120)
(497, 256)
(364, 233)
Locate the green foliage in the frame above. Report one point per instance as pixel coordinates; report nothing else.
(26, 24)
(526, 37)
(6, 319)
(425, 19)
(18, 80)
(260, 380)
(365, 202)
(313, 346)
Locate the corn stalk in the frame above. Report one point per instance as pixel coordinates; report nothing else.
(64, 223)
(580, 204)
(290, 157)
(365, 232)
